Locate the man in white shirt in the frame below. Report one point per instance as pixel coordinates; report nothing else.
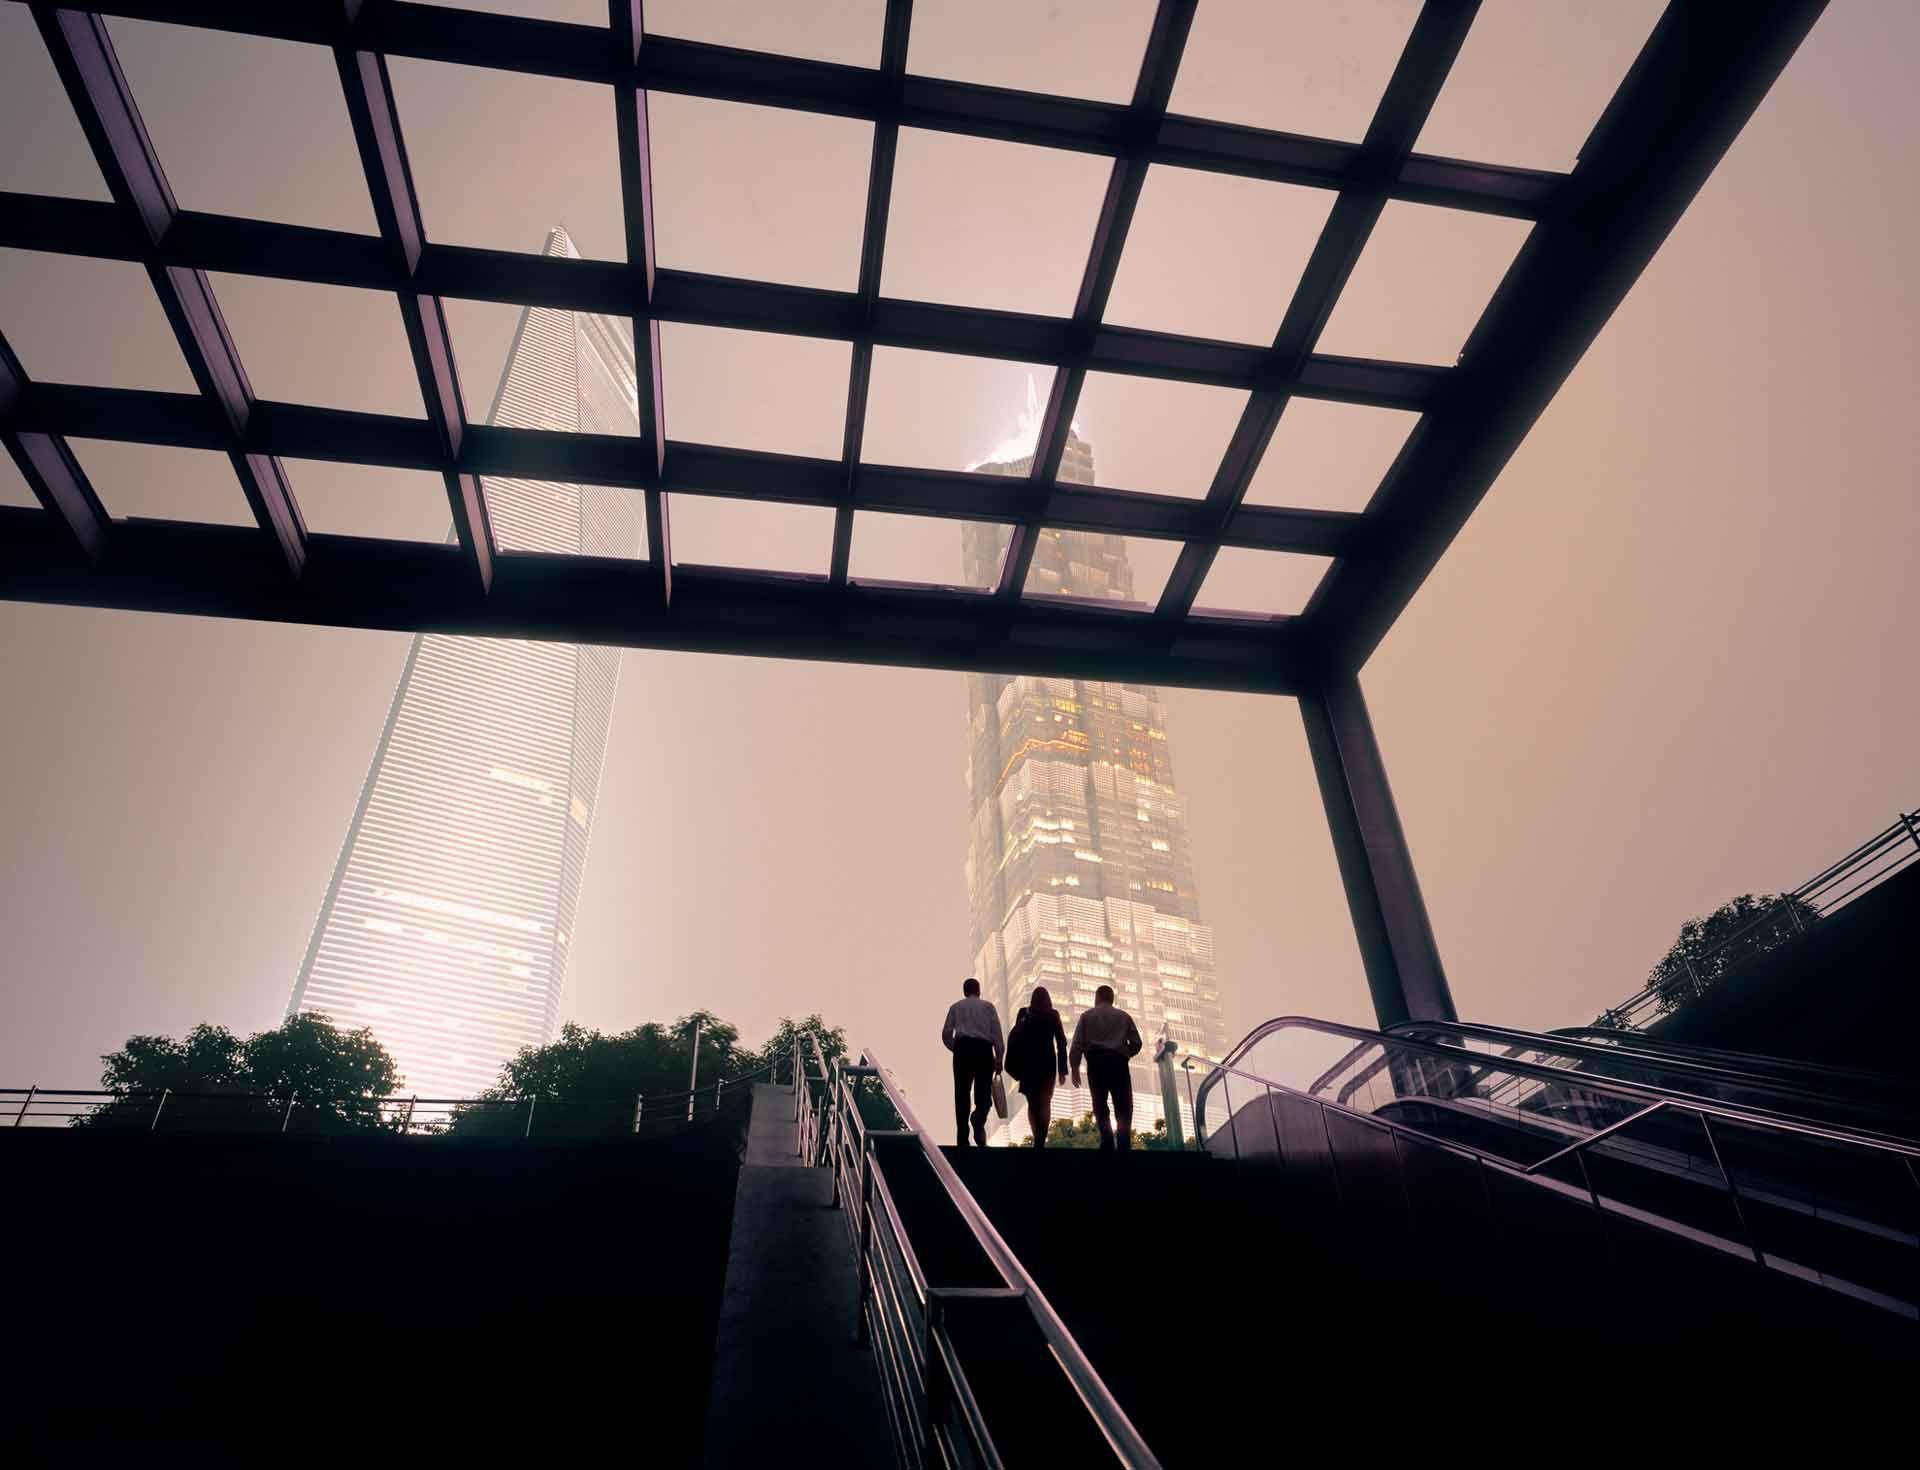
(1108, 1040)
(972, 1034)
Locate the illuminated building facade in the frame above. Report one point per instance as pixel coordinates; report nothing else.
(1079, 864)
(446, 924)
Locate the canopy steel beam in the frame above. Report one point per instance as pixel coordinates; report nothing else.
(641, 281)
(1166, 42)
(341, 258)
(873, 246)
(48, 466)
(83, 56)
(216, 571)
(1390, 920)
(668, 64)
(396, 209)
(1417, 77)
(1701, 75)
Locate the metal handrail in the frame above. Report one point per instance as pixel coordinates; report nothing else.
(1577, 1151)
(1865, 868)
(1759, 1117)
(846, 1135)
(72, 1105)
(1660, 1048)
(1786, 1093)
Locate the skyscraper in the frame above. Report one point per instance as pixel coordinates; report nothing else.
(446, 925)
(1079, 864)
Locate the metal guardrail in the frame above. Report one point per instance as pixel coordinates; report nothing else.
(649, 1115)
(1826, 893)
(934, 1414)
(1898, 1156)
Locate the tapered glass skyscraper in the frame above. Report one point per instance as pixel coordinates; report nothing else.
(447, 922)
(1079, 864)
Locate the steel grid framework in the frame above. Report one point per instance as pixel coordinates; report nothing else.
(1701, 73)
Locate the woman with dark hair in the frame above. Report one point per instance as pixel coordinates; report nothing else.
(1037, 1058)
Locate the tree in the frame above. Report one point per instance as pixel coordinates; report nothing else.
(1709, 948)
(1083, 1132)
(587, 1082)
(332, 1078)
(778, 1052)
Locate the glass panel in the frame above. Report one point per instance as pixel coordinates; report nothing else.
(755, 390)
(1210, 255)
(847, 31)
(978, 222)
(1835, 1212)
(899, 548)
(1070, 48)
(1087, 566)
(46, 152)
(331, 346)
(1299, 66)
(370, 500)
(482, 333)
(945, 411)
(561, 519)
(1421, 283)
(755, 534)
(1155, 435)
(579, 12)
(761, 192)
(501, 158)
(161, 482)
(71, 319)
(1661, 1171)
(1329, 456)
(1533, 79)
(247, 125)
(1269, 583)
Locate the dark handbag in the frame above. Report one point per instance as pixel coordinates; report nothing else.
(1016, 1067)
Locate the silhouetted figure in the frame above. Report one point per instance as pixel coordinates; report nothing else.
(972, 1034)
(1037, 1060)
(1106, 1037)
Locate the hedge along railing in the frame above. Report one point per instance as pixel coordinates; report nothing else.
(534, 1116)
(1826, 893)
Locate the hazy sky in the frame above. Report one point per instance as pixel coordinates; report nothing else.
(1669, 660)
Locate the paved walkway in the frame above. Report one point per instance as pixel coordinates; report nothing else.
(788, 1383)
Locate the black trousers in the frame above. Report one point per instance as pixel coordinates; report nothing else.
(972, 1072)
(1111, 1082)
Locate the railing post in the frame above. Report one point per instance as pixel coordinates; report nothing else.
(1912, 831)
(639, 1106)
(165, 1093)
(693, 1073)
(406, 1125)
(718, 1089)
(1733, 1191)
(866, 1239)
(287, 1117)
(25, 1103)
(530, 1105)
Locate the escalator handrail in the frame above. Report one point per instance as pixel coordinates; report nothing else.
(1706, 1071)
(1101, 1406)
(1640, 1092)
(1647, 1044)
(1742, 1116)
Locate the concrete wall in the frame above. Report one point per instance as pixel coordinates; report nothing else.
(379, 1297)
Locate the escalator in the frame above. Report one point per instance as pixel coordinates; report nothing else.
(1383, 1233)
(1845, 1097)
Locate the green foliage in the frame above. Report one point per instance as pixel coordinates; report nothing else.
(1083, 1132)
(1708, 949)
(334, 1078)
(778, 1052)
